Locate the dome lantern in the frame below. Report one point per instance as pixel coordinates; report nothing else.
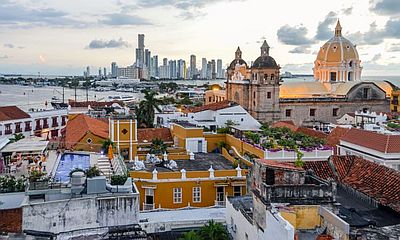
(338, 29)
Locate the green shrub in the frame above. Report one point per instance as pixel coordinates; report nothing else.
(118, 179)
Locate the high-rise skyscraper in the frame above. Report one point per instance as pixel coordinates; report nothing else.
(192, 66)
(181, 69)
(147, 56)
(114, 69)
(172, 69)
(219, 69)
(140, 51)
(88, 71)
(213, 72)
(100, 72)
(105, 72)
(203, 74)
(155, 66)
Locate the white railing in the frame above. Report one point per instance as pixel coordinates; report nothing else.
(220, 203)
(148, 207)
(286, 155)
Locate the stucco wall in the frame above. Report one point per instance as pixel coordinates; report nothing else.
(81, 213)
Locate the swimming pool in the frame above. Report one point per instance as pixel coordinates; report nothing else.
(68, 162)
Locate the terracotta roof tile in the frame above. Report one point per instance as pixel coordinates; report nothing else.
(320, 168)
(12, 113)
(77, 128)
(373, 140)
(148, 134)
(376, 181)
(213, 107)
(335, 135)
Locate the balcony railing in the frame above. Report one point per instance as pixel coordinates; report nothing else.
(45, 125)
(18, 130)
(220, 203)
(7, 132)
(38, 127)
(148, 207)
(27, 129)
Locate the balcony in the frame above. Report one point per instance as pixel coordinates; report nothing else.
(148, 207)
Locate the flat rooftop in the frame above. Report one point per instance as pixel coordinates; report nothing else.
(244, 204)
(201, 162)
(185, 124)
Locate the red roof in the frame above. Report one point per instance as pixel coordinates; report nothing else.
(79, 126)
(335, 135)
(12, 113)
(276, 164)
(376, 181)
(148, 134)
(373, 140)
(213, 106)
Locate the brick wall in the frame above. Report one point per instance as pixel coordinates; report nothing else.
(11, 220)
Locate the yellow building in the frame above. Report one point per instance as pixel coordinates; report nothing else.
(394, 101)
(215, 94)
(123, 132)
(204, 180)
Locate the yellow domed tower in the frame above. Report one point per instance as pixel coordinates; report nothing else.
(337, 60)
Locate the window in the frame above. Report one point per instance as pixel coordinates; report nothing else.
(54, 122)
(394, 108)
(63, 121)
(254, 94)
(220, 194)
(272, 76)
(312, 112)
(197, 194)
(149, 196)
(177, 195)
(209, 99)
(237, 191)
(254, 103)
(89, 140)
(365, 110)
(288, 112)
(45, 124)
(333, 76)
(335, 112)
(243, 119)
(268, 94)
(28, 126)
(365, 92)
(18, 128)
(8, 128)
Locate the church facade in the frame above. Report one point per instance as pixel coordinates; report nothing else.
(337, 88)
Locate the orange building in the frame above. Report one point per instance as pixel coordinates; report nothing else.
(204, 180)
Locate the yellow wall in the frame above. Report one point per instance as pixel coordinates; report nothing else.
(303, 217)
(163, 192)
(123, 138)
(95, 146)
(395, 101)
(213, 139)
(180, 134)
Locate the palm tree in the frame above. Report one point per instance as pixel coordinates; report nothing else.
(192, 235)
(105, 144)
(158, 146)
(213, 231)
(147, 107)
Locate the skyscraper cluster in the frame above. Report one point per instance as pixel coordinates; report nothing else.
(147, 66)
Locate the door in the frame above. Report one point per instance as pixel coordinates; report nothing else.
(200, 146)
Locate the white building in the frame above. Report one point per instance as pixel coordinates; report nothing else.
(212, 116)
(43, 123)
(381, 148)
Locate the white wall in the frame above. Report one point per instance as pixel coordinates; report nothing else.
(276, 226)
(193, 145)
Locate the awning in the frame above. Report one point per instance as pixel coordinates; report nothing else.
(26, 145)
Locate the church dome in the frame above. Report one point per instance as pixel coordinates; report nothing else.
(337, 60)
(265, 62)
(338, 49)
(238, 59)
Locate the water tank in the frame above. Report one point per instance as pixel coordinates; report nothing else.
(77, 179)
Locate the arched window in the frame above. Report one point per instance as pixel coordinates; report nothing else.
(272, 77)
(351, 64)
(265, 77)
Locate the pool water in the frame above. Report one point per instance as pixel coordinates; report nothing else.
(68, 162)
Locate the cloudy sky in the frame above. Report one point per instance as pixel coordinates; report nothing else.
(64, 36)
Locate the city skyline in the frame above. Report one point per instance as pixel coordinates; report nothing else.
(44, 39)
